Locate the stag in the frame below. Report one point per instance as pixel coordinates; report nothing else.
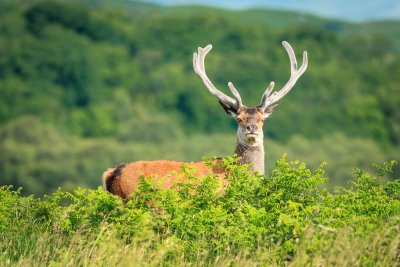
(123, 179)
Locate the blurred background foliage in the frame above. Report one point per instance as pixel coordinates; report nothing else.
(85, 85)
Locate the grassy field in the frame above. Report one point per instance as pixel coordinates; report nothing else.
(282, 220)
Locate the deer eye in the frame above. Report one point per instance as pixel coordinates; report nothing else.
(239, 119)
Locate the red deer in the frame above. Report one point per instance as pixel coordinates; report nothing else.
(123, 179)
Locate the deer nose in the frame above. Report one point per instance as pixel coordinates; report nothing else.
(252, 128)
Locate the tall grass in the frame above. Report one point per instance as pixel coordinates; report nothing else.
(339, 248)
(283, 220)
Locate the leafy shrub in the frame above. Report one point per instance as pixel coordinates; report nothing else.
(285, 217)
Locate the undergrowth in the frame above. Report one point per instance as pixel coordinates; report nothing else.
(287, 218)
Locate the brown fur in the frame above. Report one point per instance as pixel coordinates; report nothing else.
(123, 180)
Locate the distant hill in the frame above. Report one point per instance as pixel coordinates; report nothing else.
(271, 17)
(283, 19)
(354, 10)
(88, 84)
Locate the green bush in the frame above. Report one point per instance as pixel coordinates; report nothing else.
(287, 217)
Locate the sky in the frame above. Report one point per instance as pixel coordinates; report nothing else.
(352, 10)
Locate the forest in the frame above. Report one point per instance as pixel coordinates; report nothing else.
(85, 85)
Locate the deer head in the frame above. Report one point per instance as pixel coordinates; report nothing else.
(250, 120)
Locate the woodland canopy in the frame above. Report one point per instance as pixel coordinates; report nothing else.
(85, 85)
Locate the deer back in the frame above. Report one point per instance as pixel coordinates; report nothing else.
(124, 178)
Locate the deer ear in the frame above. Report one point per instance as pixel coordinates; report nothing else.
(268, 111)
(229, 109)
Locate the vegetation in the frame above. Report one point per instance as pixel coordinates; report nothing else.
(85, 85)
(284, 219)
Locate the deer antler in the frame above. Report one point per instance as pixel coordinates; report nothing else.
(295, 73)
(198, 65)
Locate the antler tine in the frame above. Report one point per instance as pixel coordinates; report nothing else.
(236, 94)
(266, 94)
(198, 66)
(295, 74)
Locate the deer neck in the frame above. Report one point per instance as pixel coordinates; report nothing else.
(251, 154)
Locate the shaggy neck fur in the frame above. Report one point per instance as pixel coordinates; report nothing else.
(251, 154)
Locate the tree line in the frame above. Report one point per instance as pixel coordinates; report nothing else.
(85, 87)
